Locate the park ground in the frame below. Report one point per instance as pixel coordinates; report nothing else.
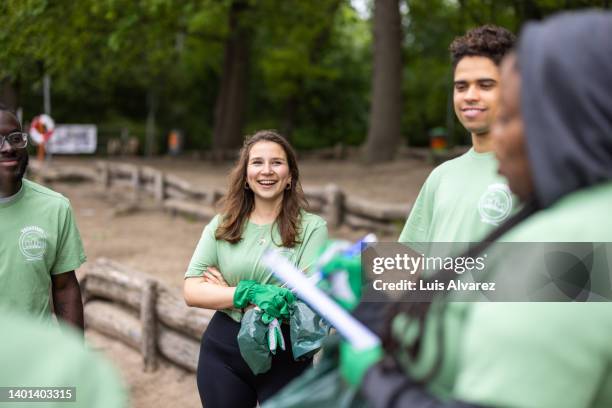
(156, 243)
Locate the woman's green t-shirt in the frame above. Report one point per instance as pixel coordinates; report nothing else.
(242, 261)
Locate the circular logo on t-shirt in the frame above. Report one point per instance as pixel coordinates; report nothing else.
(33, 243)
(495, 204)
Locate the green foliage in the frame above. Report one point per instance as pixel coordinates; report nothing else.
(310, 67)
(317, 58)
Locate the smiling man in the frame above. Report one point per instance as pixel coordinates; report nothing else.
(464, 199)
(40, 246)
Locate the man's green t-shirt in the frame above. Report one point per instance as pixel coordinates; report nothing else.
(34, 354)
(242, 261)
(543, 354)
(39, 238)
(462, 200)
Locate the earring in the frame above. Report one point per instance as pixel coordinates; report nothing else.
(288, 186)
(246, 186)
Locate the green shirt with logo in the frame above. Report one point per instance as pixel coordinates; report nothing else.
(462, 201)
(242, 261)
(39, 239)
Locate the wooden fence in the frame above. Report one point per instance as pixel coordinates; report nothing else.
(178, 196)
(143, 313)
(343, 152)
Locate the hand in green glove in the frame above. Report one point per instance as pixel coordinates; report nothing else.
(273, 300)
(355, 363)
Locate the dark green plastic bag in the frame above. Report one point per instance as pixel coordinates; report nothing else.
(319, 387)
(252, 341)
(308, 330)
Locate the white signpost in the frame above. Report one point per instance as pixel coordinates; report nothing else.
(73, 139)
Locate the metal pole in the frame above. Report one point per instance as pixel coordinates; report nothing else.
(47, 94)
(47, 109)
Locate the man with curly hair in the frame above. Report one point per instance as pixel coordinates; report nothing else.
(464, 199)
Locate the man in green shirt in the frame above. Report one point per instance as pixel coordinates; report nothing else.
(464, 199)
(40, 246)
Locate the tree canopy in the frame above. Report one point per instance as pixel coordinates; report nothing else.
(307, 68)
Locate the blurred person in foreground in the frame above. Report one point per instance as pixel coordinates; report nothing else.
(40, 245)
(553, 139)
(55, 361)
(264, 209)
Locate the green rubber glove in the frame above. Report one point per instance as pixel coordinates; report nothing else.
(273, 300)
(355, 363)
(340, 273)
(275, 336)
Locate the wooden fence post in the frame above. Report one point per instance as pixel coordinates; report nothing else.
(136, 182)
(105, 176)
(212, 197)
(334, 205)
(148, 319)
(159, 182)
(83, 287)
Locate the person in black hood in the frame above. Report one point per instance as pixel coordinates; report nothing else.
(566, 102)
(553, 138)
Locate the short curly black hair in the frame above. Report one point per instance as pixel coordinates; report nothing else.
(485, 41)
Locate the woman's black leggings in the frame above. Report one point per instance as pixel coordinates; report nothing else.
(225, 379)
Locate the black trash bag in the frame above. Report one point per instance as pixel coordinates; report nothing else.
(253, 343)
(319, 387)
(307, 330)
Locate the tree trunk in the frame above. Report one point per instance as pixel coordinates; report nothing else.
(386, 107)
(150, 129)
(231, 101)
(9, 94)
(290, 113)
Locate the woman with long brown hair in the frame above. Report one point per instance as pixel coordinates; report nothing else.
(264, 208)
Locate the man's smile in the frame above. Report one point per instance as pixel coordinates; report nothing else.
(472, 112)
(9, 162)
